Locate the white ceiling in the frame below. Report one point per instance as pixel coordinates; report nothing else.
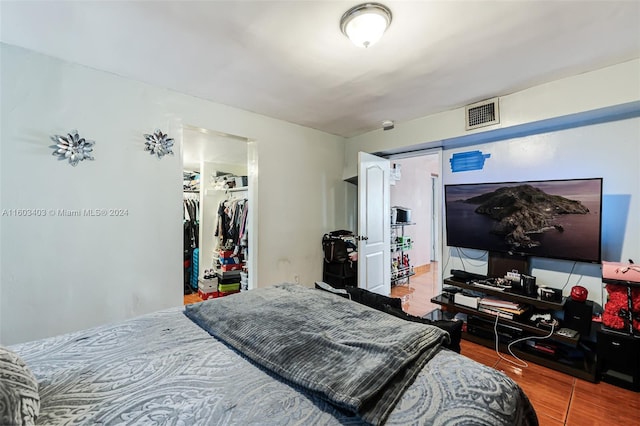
(289, 60)
(204, 145)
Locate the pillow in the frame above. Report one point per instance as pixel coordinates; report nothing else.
(19, 399)
(373, 300)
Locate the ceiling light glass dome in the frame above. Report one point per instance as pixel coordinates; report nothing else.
(364, 24)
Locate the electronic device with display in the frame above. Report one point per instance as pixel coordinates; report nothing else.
(558, 219)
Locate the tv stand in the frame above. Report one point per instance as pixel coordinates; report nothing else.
(574, 355)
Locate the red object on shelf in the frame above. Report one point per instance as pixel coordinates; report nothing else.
(545, 349)
(215, 294)
(226, 253)
(622, 310)
(579, 293)
(205, 296)
(225, 293)
(231, 267)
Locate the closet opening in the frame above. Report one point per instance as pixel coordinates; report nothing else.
(220, 230)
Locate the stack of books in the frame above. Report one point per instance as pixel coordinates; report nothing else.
(502, 308)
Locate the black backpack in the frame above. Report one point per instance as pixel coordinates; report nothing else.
(335, 248)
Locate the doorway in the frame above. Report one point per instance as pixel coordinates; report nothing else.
(223, 171)
(416, 188)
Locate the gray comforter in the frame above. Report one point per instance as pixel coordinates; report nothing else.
(163, 369)
(353, 356)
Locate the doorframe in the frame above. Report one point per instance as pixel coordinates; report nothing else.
(252, 181)
(439, 209)
(435, 217)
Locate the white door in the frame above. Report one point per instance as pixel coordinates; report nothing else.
(374, 223)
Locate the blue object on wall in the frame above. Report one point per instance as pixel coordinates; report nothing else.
(466, 161)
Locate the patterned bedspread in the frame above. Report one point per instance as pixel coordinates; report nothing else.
(351, 355)
(163, 369)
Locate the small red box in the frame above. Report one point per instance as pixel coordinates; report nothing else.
(226, 253)
(231, 267)
(205, 296)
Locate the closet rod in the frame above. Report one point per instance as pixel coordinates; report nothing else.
(240, 189)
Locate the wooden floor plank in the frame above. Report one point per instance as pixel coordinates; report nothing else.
(602, 403)
(479, 353)
(545, 420)
(191, 298)
(549, 391)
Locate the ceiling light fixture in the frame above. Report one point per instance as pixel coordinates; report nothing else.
(364, 24)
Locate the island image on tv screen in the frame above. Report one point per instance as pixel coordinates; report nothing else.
(554, 218)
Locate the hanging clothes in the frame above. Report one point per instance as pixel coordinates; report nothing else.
(231, 223)
(191, 229)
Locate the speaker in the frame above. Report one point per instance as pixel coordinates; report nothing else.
(577, 316)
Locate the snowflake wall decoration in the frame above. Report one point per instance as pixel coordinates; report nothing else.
(72, 147)
(158, 143)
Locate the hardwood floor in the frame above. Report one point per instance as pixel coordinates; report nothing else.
(191, 298)
(416, 295)
(559, 399)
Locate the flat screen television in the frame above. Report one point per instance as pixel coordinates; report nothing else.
(558, 219)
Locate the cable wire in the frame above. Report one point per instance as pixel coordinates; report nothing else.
(481, 257)
(524, 363)
(569, 277)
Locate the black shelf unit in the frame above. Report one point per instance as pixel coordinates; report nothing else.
(619, 359)
(509, 295)
(619, 350)
(524, 326)
(582, 366)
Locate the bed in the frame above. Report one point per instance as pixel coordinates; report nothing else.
(283, 355)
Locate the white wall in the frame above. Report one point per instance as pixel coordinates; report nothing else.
(615, 85)
(65, 273)
(609, 150)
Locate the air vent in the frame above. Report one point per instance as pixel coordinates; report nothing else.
(482, 114)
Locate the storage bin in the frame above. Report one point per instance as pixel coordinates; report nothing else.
(620, 273)
(226, 253)
(208, 286)
(229, 260)
(224, 293)
(228, 287)
(231, 267)
(206, 293)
